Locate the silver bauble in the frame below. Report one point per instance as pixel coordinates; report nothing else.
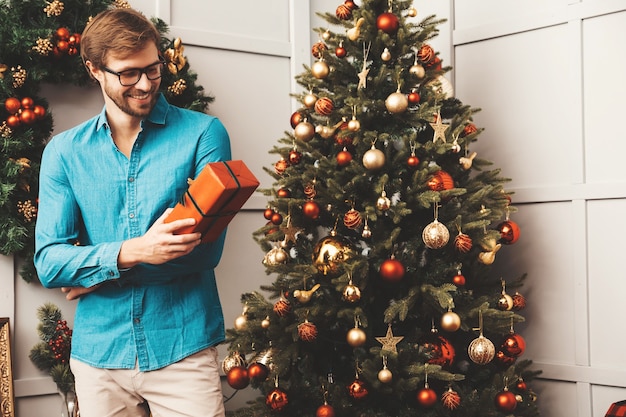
(436, 235)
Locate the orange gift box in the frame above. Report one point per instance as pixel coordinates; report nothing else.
(214, 198)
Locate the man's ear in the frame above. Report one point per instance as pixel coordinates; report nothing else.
(93, 72)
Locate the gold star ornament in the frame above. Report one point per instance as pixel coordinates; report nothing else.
(390, 341)
(439, 128)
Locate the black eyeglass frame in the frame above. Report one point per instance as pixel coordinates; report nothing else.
(142, 71)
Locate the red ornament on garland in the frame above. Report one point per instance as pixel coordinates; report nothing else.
(505, 401)
(388, 23)
(12, 105)
(311, 209)
(40, 111)
(392, 270)
(509, 232)
(27, 116)
(277, 399)
(427, 397)
(237, 377)
(13, 121)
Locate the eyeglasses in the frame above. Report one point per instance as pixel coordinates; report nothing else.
(132, 76)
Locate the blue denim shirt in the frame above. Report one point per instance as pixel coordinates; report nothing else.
(92, 197)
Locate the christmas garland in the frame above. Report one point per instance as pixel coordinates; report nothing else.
(40, 45)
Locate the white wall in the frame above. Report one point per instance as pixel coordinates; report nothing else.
(548, 75)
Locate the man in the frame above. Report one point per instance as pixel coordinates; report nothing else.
(148, 316)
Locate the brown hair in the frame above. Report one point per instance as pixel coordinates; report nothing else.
(117, 32)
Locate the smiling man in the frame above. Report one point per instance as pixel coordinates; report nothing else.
(148, 316)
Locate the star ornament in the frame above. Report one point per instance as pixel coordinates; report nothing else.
(290, 231)
(390, 341)
(439, 128)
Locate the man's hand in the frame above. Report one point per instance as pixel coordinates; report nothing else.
(159, 244)
(72, 293)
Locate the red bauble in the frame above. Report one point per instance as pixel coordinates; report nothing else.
(74, 40)
(237, 377)
(294, 157)
(426, 54)
(283, 193)
(12, 105)
(276, 218)
(344, 158)
(412, 161)
(441, 350)
(318, 48)
(63, 46)
(519, 302)
(463, 243)
(281, 166)
(357, 389)
(40, 111)
(258, 372)
(276, 399)
(513, 345)
(325, 410)
(521, 385)
(388, 23)
(282, 308)
(392, 270)
(295, 118)
(413, 97)
(509, 232)
(343, 12)
(340, 52)
(62, 33)
(13, 121)
(469, 129)
(307, 331)
(324, 106)
(441, 181)
(505, 401)
(352, 219)
(27, 116)
(458, 279)
(311, 210)
(27, 103)
(427, 397)
(268, 213)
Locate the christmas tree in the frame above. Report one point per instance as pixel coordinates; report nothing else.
(383, 228)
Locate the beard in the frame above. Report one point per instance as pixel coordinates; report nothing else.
(124, 101)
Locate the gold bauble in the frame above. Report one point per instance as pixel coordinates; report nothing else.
(265, 323)
(436, 235)
(351, 293)
(329, 253)
(385, 55)
(450, 321)
(310, 100)
(385, 376)
(383, 203)
(417, 71)
(320, 69)
(505, 302)
(481, 350)
(374, 159)
(275, 256)
(397, 102)
(354, 125)
(233, 359)
(304, 131)
(241, 322)
(356, 337)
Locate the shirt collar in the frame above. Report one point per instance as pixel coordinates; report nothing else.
(156, 116)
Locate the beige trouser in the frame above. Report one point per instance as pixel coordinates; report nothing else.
(188, 388)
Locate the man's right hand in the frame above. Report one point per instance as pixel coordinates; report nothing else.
(159, 244)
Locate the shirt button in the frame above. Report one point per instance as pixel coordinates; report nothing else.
(137, 321)
(131, 179)
(111, 273)
(131, 215)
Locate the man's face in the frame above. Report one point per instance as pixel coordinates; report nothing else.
(135, 100)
